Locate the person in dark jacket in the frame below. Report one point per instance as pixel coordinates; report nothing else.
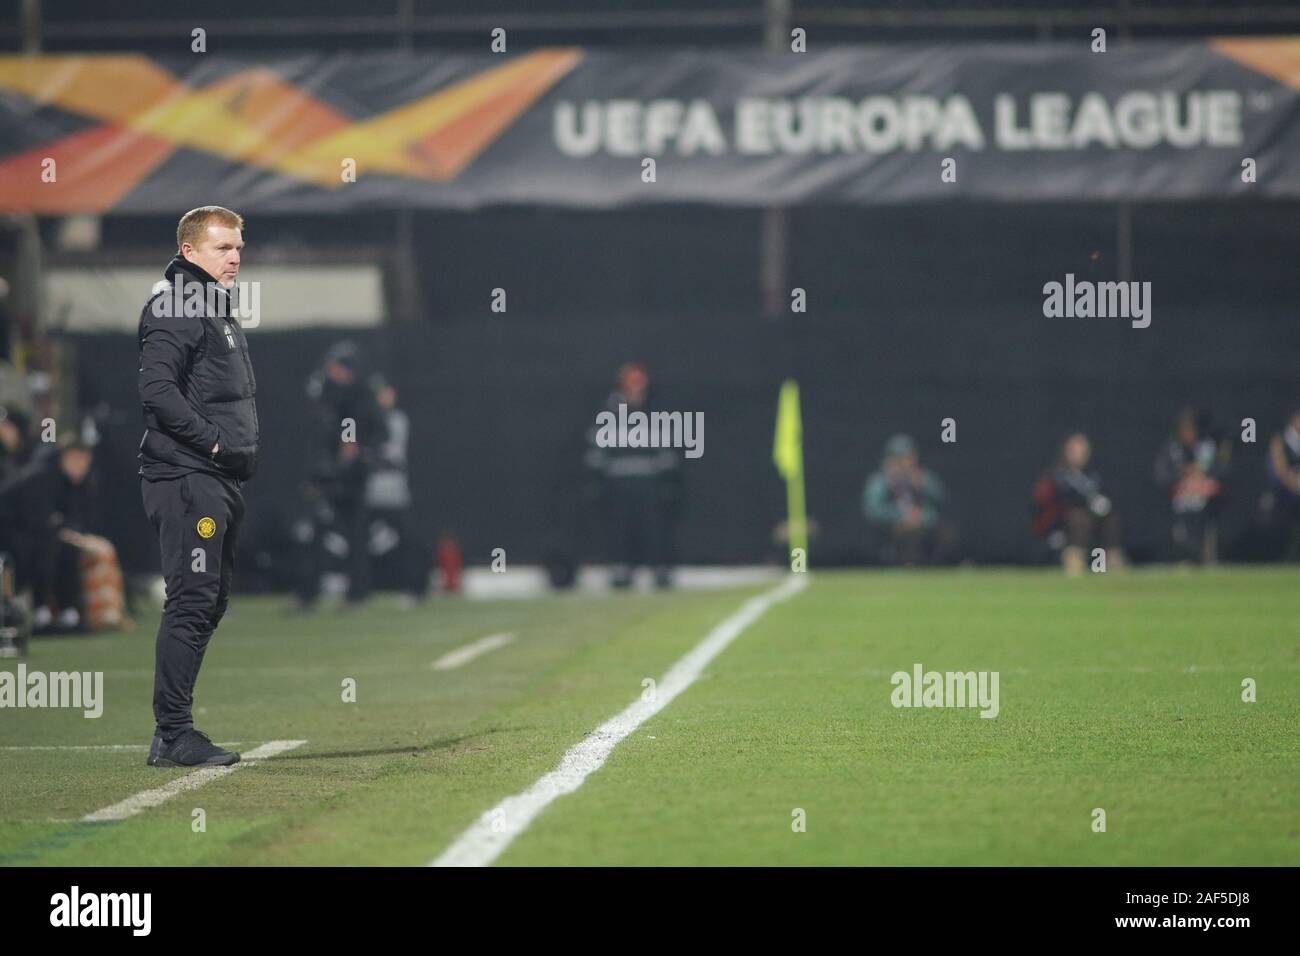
(642, 488)
(200, 444)
(42, 508)
(352, 432)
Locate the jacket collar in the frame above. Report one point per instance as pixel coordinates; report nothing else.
(193, 273)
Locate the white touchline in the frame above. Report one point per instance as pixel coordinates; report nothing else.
(489, 835)
(191, 781)
(463, 655)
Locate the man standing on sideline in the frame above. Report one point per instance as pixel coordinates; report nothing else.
(200, 444)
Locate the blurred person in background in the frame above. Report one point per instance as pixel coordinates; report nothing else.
(1190, 468)
(1281, 503)
(15, 421)
(15, 445)
(903, 502)
(1069, 504)
(352, 429)
(406, 561)
(45, 407)
(641, 488)
(44, 511)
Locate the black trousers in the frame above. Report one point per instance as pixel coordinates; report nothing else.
(197, 518)
(50, 567)
(640, 530)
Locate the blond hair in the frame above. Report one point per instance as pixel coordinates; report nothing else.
(194, 224)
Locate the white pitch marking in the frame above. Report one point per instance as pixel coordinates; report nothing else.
(488, 837)
(463, 655)
(142, 801)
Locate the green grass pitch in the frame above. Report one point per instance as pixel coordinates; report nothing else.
(1120, 692)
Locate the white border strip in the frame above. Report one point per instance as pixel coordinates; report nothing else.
(488, 837)
(142, 801)
(463, 655)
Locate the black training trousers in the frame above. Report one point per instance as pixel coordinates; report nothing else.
(197, 517)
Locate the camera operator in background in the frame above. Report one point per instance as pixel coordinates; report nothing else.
(904, 503)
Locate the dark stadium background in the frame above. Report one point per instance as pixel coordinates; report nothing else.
(915, 312)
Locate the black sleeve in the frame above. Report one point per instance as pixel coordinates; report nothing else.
(167, 346)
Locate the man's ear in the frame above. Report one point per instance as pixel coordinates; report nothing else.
(186, 249)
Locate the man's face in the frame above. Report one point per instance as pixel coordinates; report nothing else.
(217, 253)
(905, 463)
(1077, 451)
(338, 373)
(633, 383)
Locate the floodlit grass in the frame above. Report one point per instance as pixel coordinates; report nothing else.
(1120, 692)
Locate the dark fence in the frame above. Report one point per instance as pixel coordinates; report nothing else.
(915, 314)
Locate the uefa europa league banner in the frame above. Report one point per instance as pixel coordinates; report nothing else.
(573, 127)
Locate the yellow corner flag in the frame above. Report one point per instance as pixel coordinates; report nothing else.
(787, 455)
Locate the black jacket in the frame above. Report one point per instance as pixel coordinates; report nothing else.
(196, 384)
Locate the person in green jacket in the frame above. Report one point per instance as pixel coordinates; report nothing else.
(903, 503)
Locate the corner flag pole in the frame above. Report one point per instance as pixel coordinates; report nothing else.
(787, 455)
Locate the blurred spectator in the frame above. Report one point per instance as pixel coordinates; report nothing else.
(1190, 467)
(1282, 500)
(43, 511)
(1071, 510)
(903, 503)
(15, 421)
(352, 429)
(641, 488)
(14, 442)
(45, 408)
(401, 559)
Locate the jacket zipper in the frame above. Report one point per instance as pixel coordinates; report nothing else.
(248, 367)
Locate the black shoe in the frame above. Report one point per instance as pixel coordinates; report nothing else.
(191, 749)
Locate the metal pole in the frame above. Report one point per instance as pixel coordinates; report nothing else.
(406, 23)
(31, 26)
(405, 284)
(1124, 241)
(772, 242)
